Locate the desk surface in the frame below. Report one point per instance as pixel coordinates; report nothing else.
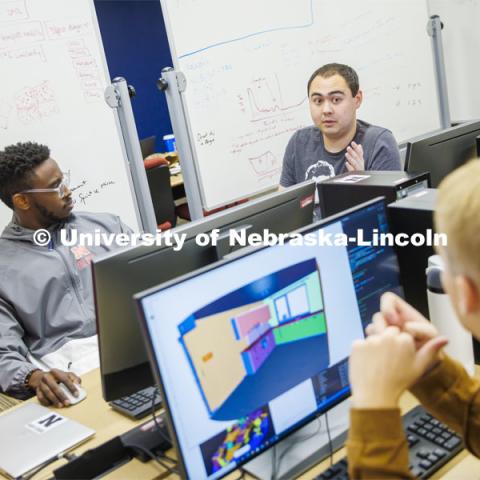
(97, 414)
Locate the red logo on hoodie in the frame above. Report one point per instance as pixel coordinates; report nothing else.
(83, 256)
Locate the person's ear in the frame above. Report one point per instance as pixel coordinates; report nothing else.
(358, 98)
(468, 295)
(20, 202)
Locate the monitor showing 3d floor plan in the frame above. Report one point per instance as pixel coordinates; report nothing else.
(238, 344)
(250, 349)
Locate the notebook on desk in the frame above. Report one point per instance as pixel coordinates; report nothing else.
(32, 435)
(175, 169)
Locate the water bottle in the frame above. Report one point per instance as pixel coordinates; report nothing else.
(169, 142)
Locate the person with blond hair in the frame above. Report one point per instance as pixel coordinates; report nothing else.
(403, 350)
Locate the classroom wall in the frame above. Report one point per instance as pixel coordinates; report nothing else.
(136, 48)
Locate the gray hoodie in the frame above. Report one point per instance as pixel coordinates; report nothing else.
(46, 296)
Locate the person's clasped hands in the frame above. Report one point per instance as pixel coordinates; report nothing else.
(401, 346)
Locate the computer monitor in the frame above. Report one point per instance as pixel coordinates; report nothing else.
(119, 274)
(442, 152)
(258, 346)
(147, 146)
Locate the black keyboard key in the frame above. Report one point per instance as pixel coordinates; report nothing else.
(423, 453)
(425, 464)
(452, 443)
(328, 474)
(431, 436)
(432, 458)
(437, 430)
(439, 452)
(412, 440)
(440, 441)
(416, 471)
(446, 435)
(428, 426)
(422, 431)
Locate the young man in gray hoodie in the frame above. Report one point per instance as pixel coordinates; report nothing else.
(46, 298)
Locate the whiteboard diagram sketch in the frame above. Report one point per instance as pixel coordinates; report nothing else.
(265, 165)
(53, 94)
(36, 103)
(265, 100)
(13, 10)
(247, 64)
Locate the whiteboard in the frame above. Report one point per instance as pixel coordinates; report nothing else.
(247, 63)
(53, 77)
(461, 48)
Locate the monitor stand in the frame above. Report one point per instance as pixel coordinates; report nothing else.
(150, 435)
(306, 448)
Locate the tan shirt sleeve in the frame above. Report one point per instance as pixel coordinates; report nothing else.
(451, 395)
(376, 445)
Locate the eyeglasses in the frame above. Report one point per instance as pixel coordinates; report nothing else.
(61, 189)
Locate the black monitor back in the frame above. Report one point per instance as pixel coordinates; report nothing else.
(442, 152)
(147, 146)
(411, 215)
(118, 275)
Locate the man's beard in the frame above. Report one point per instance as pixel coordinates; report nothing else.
(49, 217)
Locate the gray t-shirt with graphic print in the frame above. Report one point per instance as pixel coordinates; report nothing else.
(306, 157)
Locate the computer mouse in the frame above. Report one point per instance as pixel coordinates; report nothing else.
(71, 398)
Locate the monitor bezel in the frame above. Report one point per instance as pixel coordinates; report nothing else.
(138, 298)
(437, 136)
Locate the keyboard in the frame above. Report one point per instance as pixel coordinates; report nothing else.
(139, 404)
(431, 445)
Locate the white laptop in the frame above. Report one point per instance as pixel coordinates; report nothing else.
(32, 435)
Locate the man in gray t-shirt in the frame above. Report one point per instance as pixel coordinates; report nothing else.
(337, 142)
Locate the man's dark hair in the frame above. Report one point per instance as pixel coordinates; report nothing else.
(331, 69)
(17, 163)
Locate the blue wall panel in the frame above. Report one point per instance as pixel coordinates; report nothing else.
(136, 48)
